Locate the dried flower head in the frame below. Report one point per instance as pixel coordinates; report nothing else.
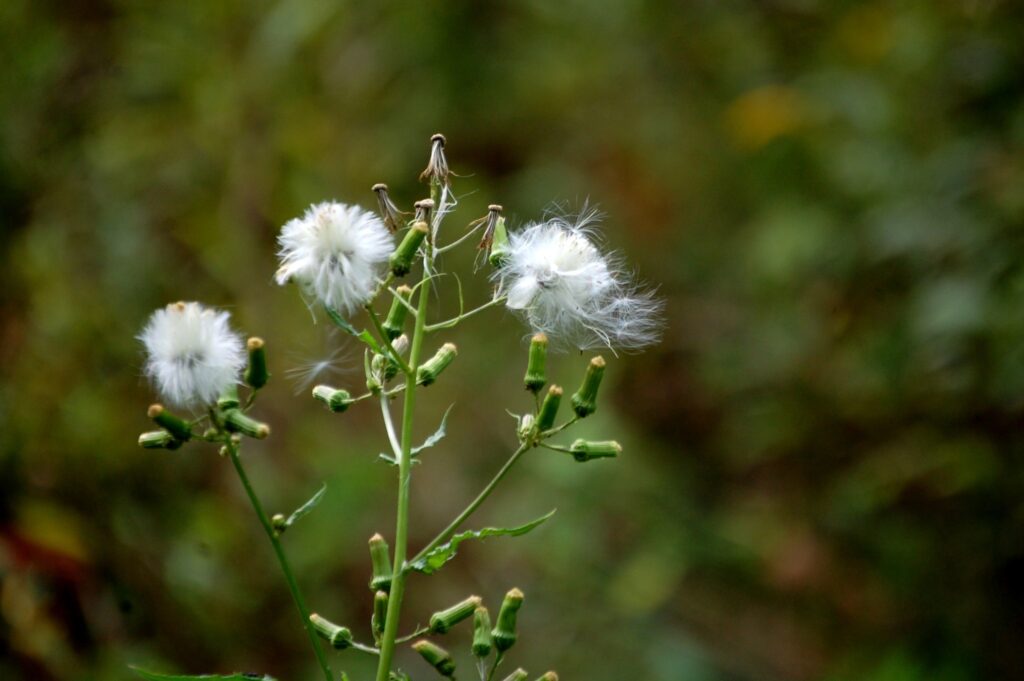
(335, 252)
(193, 355)
(564, 286)
(386, 207)
(437, 166)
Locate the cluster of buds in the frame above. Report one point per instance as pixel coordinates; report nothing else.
(227, 415)
(486, 639)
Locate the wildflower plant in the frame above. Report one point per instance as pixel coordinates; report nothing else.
(373, 276)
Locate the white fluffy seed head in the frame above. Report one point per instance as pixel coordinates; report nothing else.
(564, 286)
(335, 252)
(193, 355)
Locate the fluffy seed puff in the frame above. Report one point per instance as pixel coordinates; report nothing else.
(335, 252)
(193, 356)
(563, 285)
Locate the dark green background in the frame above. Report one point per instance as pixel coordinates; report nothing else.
(822, 475)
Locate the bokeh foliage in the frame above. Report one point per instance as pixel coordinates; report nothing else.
(822, 477)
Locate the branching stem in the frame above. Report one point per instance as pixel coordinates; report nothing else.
(293, 586)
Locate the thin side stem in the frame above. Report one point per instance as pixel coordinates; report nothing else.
(449, 323)
(447, 532)
(387, 646)
(293, 586)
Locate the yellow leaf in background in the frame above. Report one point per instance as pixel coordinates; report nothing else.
(52, 527)
(764, 114)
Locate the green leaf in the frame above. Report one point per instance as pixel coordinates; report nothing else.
(313, 502)
(437, 436)
(237, 676)
(433, 561)
(345, 326)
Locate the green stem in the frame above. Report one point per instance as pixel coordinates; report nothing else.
(293, 586)
(387, 647)
(447, 532)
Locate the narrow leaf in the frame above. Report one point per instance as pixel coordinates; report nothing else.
(308, 506)
(237, 676)
(345, 326)
(433, 561)
(437, 436)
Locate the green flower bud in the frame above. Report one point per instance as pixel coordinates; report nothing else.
(256, 375)
(432, 368)
(384, 367)
(504, 632)
(443, 620)
(339, 637)
(279, 523)
(401, 259)
(237, 422)
(229, 399)
(436, 656)
(481, 632)
(380, 559)
(158, 439)
(549, 409)
(499, 244)
(336, 399)
(396, 315)
(380, 613)
(585, 450)
(518, 675)
(175, 425)
(584, 402)
(535, 372)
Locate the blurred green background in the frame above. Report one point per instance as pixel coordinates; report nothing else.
(823, 476)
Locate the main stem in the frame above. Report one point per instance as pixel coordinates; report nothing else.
(387, 646)
(293, 586)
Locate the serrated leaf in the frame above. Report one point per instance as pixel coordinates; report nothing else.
(437, 436)
(308, 506)
(435, 560)
(345, 326)
(237, 676)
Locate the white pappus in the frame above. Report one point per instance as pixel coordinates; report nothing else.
(334, 252)
(563, 285)
(193, 356)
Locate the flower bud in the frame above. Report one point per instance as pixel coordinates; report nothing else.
(396, 315)
(279, 523)
(584, 401)
(436, 656)
(585, 450)
(380, 613)
(336, 399)
(384, 367)
(175, 425)
(536, 376)
(229, 398)
(518, 675)
(339, 637)
(432, 368)
(158, 439)
(256, 375)
(481, 632)
(237, 422)
(504, 632)
(443, 620)
(549, 409)
(548, 676)
(380, 559)
(525, 426)
(500, 247)
(401, 259)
